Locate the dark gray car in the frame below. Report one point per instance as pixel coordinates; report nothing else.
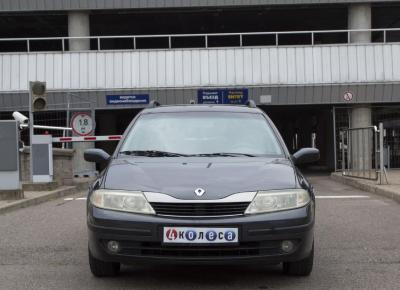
(201, 184)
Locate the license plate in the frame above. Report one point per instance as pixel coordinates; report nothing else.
(194, 235)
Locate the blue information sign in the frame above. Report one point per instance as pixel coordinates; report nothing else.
(223, 96)
(209, 97)
(236, 97)
(143, 99)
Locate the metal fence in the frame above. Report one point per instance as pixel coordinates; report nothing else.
(45, 118)
(171, 41)
(392, 146)
(57, 115)
(360, 152)
(390, 117)
(363, 153)
(341, 122)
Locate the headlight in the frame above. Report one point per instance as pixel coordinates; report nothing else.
(129, 201)
(269, 201)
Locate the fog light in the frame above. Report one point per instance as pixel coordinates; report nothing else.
(287, 246)
(113, 246)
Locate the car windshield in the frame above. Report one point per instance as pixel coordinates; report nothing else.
(201, 134)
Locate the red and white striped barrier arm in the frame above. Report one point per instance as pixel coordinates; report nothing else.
(86, 139)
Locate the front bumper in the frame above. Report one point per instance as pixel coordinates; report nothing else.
(260, 237)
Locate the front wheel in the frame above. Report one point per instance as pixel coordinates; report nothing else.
(302, 267)
(103, 269)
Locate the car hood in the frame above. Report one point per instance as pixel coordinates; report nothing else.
(219, 177)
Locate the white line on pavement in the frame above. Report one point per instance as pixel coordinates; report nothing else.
(71, 198)
(341, 196)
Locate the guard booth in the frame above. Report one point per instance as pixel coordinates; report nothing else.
(42, 158)
(10, 179)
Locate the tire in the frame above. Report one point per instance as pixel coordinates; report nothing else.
(103, 269)
(300, 268)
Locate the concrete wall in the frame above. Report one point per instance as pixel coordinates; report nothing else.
(62, 166)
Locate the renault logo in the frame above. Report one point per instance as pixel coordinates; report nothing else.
(199, 191)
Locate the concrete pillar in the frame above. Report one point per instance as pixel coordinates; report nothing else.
(78, 25)
(81, 168)
(361, 116)
(360, 18)
(361, 140)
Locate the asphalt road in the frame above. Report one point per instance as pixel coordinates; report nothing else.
(357, 246)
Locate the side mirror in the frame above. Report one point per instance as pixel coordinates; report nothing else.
(305, 155)
(96, 155)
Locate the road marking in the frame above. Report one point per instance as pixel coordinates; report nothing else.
(77, 198)
(341, 196)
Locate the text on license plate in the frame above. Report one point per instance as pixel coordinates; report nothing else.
(194, 235)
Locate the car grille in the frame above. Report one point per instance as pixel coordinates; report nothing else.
(200, 209)
(156, 249)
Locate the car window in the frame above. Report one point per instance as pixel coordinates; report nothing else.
(195, 133)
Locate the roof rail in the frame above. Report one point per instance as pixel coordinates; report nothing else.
(154, 104)
(251, 104)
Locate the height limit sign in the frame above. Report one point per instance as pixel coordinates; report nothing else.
(82, 124)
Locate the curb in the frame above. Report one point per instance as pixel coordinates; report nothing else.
(54, 194)
(42, 186)
(11, 194)
(375, 189)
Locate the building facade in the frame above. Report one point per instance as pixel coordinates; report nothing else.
(314, 66)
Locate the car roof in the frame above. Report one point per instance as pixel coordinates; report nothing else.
(201, 108)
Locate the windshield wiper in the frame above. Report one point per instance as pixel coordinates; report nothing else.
(151, 153)
(223, 154)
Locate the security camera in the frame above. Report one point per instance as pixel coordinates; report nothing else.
(20, 118)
